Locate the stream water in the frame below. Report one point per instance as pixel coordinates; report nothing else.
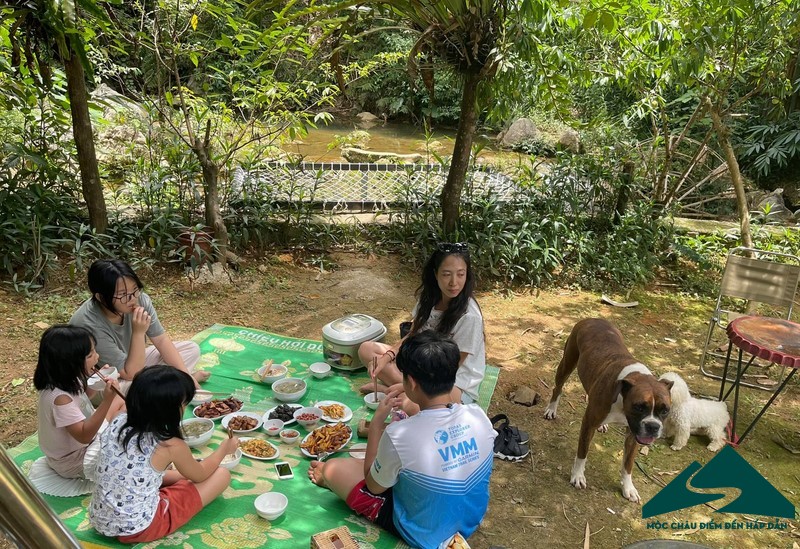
(392, 137)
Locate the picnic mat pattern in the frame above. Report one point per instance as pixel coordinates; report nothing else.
(233, 354)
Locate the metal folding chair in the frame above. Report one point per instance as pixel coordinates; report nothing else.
(755, 282)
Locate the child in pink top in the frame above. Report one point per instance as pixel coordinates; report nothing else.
(68, 423)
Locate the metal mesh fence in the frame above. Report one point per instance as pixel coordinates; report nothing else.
(342, 185)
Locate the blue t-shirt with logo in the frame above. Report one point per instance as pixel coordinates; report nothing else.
(438, 464)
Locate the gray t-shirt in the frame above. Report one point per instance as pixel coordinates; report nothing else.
(113, 341)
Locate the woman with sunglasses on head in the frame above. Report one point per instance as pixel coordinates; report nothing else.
(445, 303)
(120, 315)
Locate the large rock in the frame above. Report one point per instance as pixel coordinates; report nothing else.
(522, 129)
(570, 141)
(113, 102)
(773, 207)
(366, 117)
(360, 155)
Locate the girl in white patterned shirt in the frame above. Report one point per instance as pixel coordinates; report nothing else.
(136, 498)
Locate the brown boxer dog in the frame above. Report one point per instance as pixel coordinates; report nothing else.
(620, 390)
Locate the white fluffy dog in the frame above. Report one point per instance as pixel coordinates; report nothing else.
(694, 416)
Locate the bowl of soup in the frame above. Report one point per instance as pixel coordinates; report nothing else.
(289, 389)
(197, 431)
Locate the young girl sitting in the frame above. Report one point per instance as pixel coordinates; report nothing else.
(446, 303)
(68, 422)
(136, 498)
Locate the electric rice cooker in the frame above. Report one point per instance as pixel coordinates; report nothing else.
(342, 338)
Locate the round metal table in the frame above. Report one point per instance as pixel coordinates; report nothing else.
(774, 339)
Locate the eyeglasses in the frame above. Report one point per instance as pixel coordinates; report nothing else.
(453, 247)
(126, 298)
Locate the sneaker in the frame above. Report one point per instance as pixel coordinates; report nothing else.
(520, 436)
(506, 448)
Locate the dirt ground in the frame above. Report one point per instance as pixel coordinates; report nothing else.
(532, 503)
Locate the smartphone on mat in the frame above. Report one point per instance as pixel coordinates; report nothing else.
(284, 470)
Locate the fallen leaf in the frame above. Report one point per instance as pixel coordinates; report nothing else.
(41, 325)
(644, 450)
(16, 382)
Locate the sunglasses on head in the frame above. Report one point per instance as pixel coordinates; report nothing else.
(453, 247)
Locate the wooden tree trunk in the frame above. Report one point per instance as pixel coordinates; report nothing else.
(211, 190)
(462, 148)
(724, 138)
(84, 143)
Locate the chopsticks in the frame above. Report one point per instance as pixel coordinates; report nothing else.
(105, 379)
(267, 368)
(230, 435)
(375, 367)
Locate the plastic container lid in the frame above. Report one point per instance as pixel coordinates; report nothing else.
(352, 329)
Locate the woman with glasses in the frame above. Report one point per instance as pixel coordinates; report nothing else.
(445, 303)
(120, 315)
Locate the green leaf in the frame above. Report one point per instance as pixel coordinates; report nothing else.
(590, 19)
(607, 21)
(193, 57)
(17, 381)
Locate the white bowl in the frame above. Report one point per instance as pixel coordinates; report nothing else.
(278, 371)
(96, 384)
(358, 451)
(201, 396)
(292, 396)
(320, 369)
(271, 505)
(290, 436)
(369, 400)
(273, 427)
(227, 419)
(308, 423)
(231, 461)
(202, 439)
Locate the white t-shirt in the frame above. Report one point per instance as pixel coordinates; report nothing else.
(438, 463)
(126, 495)
(468, 335)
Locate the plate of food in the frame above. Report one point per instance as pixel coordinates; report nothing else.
(327, 438)
(242, 422)
(333, 411)
(258, 448)
(283, 412)
(216, 409)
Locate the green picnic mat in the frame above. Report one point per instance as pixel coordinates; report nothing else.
(233, 354)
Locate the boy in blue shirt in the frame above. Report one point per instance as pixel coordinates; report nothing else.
(426, 477)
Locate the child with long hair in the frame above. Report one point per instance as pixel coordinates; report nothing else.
(445, 303)
(137, 499)
(68, 423)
